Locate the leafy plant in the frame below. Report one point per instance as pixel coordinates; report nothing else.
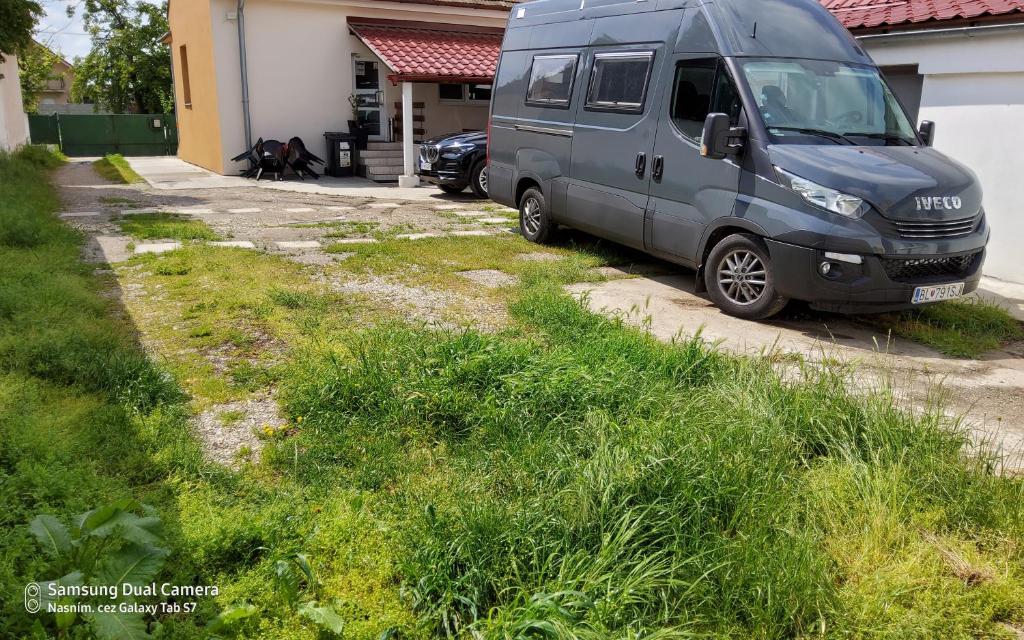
(104, 548)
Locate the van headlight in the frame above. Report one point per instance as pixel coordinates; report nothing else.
(829, 199)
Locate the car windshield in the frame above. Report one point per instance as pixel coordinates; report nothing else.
(822, 102)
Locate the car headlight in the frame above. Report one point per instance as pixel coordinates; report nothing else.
(829, 199)
(456, 150)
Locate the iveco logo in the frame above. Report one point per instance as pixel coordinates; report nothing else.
(937, 203)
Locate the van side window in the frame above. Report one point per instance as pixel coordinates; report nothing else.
(702, 86)
(551, 81)
(619, 81)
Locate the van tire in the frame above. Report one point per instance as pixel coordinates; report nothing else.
(534, 221)
(452, 188)
(478, 179)
(746, 257)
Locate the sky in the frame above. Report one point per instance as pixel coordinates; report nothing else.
(62, 34)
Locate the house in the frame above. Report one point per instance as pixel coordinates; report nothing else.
(55, 95)
(13, 121)
(959, 63)
(246, 69)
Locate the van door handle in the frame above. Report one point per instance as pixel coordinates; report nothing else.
(658, 168)
(641, 164)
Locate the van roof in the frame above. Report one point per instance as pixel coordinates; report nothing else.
(772, 28)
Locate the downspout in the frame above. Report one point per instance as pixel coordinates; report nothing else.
(243, 68)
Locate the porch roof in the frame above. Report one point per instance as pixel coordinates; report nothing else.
(429, 52)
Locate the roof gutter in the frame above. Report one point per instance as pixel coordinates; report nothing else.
(244, 70)
(948, 32)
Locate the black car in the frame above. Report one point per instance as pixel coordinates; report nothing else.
(455, 161)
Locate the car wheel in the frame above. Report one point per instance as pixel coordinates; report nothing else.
(452, 188)
(534, 222)
(478, 179)
(739, 278)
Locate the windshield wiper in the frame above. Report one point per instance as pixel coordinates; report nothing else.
(888, 137)
(822, 133)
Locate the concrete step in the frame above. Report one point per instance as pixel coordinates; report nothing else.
(380, 162)
(387, 169)
(369, 153)
(383, 146)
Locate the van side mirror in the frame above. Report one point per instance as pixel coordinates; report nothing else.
(927, 132)
(720, 139)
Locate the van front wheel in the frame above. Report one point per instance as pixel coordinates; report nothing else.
(534, 222)
(739, 278)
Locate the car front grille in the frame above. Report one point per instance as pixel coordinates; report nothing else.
(429, 153)
(932, 230)
(914, 269)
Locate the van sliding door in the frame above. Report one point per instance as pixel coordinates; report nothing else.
(613, 142)
(689, 191)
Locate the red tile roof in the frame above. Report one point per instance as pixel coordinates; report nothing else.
(433, 54)
(855, 14)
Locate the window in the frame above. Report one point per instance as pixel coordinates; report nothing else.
(551, 81)
(702, 86)
(471, 93)
(619, 81)
(479, 92)
(450, 92)
(185, 86)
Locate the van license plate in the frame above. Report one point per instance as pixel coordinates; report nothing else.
(937, 293)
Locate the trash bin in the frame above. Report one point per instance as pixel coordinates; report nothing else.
(342, 154)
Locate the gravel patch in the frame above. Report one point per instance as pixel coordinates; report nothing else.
(491, 278)
(224, 440)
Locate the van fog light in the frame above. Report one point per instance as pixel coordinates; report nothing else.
(825, 268)
(852, 258)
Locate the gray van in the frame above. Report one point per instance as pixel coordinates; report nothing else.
(752, 140)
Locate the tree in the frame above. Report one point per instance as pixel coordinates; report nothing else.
(35, 64)
(128, 67)
(17, 20)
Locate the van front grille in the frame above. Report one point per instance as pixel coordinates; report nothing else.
(914, 269)
(928, 230)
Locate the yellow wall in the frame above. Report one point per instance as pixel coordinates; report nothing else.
(199, 136)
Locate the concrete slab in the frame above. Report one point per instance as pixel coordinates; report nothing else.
(300, 209)
(170, 173)
(157, 247)
(494, 220)
(472, 214)
(471, 233)
(352, 188)
(383, 205)
(297, 244)
(238, 244)
(353, 240)
(446, 207)
(245, 210)
(1009, 295)
(339, 208)
(191, 211)
(79, 214)
(417, 236)
(137, 212)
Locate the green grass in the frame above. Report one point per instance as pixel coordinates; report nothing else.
(115, 168)
(566, 477)
(152, 226)
(962, 329)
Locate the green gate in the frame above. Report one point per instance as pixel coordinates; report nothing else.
(97, 135)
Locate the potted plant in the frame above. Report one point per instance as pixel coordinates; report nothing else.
(355, 126)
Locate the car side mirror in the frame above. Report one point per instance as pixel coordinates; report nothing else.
(927, 132)
(720, 138)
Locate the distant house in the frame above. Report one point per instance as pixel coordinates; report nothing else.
(427, 64)
(959, 63)
(57, 91)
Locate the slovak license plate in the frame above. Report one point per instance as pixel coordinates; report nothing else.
(424, 165)
(938, 293)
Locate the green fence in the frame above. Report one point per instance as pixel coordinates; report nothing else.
(97, 135)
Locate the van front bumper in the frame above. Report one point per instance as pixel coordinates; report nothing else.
(879, 283)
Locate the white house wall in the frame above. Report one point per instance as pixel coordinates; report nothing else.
(299, 57)
(973, 88)
(13, 121)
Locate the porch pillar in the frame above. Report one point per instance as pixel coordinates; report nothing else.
(408, 177)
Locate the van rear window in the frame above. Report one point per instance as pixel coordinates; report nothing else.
(551, 81)
(619, 81)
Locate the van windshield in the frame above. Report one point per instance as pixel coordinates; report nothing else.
(823, 102)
